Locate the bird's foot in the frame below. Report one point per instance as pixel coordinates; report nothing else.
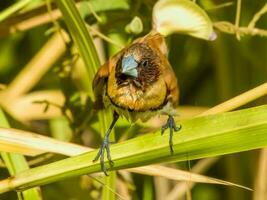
(101, 155)
(172, 126)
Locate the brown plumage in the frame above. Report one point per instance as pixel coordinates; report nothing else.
(137, 83)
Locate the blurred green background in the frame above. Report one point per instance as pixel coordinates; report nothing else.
(208, 73)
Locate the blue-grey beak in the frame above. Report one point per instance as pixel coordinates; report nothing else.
(129, 66)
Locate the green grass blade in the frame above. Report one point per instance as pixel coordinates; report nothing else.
(79, 33)
(200, 137)
(111, 179)
(148, 188)
(16, 163)
(89, 55)
(14, 8)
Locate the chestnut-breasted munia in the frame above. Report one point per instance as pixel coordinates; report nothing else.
(137, 83)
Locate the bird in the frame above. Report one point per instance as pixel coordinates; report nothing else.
(137, 83)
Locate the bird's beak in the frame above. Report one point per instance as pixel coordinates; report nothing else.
(129, 66)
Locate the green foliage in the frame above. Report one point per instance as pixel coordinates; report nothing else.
(208, 73)
(16, 163)
(200, 137)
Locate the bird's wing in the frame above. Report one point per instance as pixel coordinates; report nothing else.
(171, 83)
(98, 85)
(157, 42)
(101, 78)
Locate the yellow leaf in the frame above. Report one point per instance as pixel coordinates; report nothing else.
(27, 143)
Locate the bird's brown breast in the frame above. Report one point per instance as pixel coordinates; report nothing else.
(131, 97)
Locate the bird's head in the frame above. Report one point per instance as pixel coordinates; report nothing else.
(140, 63)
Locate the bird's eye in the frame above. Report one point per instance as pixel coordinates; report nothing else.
(144, 63)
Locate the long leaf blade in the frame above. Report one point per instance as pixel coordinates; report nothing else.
(200, 137)
(32, 144)
(16, 163)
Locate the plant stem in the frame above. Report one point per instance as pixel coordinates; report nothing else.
(238, 101)
(14, 8)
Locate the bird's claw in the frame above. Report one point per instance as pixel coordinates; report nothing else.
(172, 126)
(101, 155)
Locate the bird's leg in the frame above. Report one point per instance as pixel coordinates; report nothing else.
(105, 146)
(172, 126)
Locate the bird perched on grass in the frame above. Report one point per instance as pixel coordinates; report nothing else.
(137, 83)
